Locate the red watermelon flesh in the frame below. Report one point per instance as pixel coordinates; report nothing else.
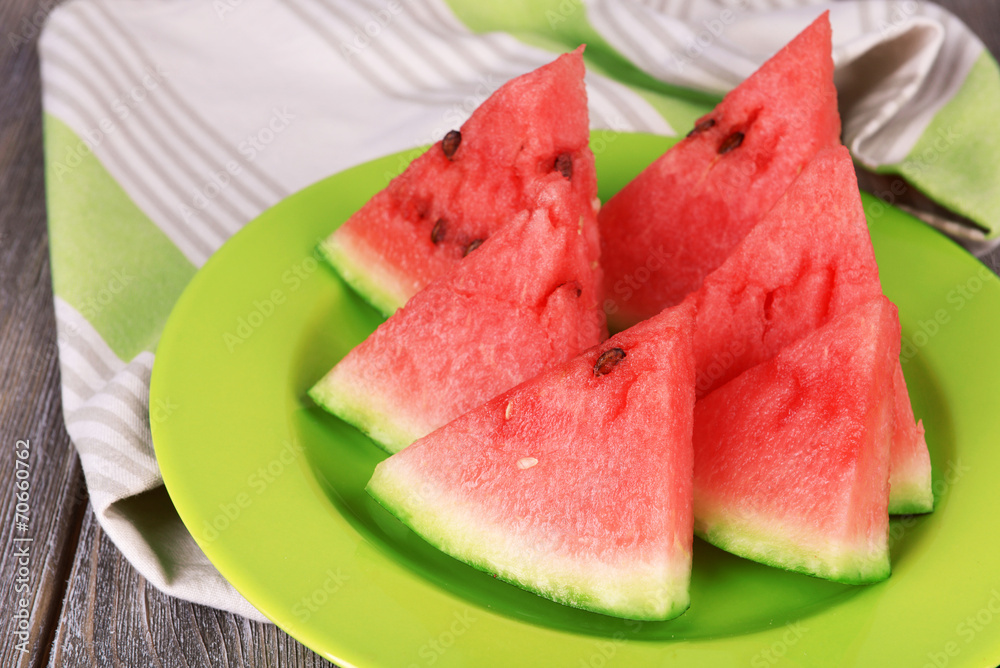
(523, 301)
(574, 485)
(809, 260)
(424, 221)
(791, 464)
(681, 217)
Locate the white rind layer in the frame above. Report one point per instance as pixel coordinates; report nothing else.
(770, 542)
(349, 261)
(642, 590)
(353, 404)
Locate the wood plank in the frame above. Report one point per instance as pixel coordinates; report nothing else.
(30, 406)
(114, 618)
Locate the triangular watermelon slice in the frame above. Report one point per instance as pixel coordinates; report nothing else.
(680, 218)
(523, 301)
(576, 484)
(791, 464)
(810, 259)
(469, 184)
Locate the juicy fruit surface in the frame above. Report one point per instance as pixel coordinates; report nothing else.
(792, 457)
(681, 217)
(809, 260)
(574, 485)
(523, 301)
(422, 224)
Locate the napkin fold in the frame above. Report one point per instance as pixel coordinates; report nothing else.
(170, 124)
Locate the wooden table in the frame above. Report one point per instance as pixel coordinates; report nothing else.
(88, 605)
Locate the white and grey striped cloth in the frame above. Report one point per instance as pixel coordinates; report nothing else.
(169, 124)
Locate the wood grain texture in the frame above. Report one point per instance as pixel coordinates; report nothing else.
(114, 618)
(30, 407)
(89, 607)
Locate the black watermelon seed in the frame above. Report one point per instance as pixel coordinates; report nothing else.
(450, 143)
(437, 232)
(731, 142)
(608, 360)
(476, 243)
(701, 127)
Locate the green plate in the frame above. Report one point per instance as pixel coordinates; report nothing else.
(272, 488)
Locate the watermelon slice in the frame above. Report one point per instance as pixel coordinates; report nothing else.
(791, 464)
(523, 301)
(576, 484)
(810, 259)
(469, 184)
(681, 217)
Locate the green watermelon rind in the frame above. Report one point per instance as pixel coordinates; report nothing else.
(354, 406)
(912, 498)
(771, 546)
(436, 523)
(345, 262)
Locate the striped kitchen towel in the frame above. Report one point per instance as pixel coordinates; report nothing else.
(171, 123)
